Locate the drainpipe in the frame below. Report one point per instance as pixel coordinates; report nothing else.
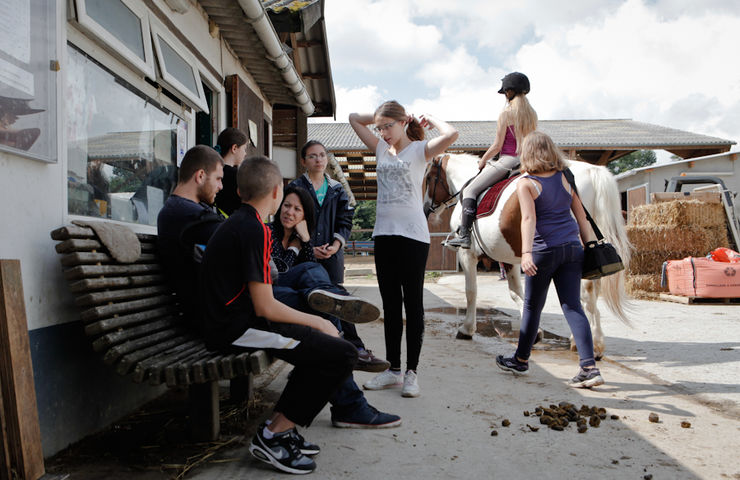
(257, 16)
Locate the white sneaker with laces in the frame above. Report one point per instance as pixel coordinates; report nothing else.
(386, 379)
(410, 385)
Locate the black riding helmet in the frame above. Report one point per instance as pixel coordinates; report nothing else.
(518, 82)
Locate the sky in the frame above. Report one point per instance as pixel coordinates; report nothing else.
(672, 63)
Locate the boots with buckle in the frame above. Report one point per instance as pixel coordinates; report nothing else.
(463, 233)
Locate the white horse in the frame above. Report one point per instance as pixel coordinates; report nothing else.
(498, 236)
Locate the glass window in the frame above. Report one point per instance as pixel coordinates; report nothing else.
(122, 26)
(178, 68)
(122, 148)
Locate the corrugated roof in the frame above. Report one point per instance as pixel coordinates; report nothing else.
(568, 134)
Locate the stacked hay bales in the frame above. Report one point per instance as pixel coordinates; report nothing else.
(670, 230)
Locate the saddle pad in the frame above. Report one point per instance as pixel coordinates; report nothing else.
(490, 198)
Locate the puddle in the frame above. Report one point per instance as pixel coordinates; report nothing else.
(491, 322)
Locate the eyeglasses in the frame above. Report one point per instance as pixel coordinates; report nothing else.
(381, 128)
(315, 156)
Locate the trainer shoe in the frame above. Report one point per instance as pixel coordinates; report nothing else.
(410, 385)
(367, 362)
(345, 307)
(306, 447)
(587, 378)
(511, 364)
(366, 417)
(281, 451)
(386, 379)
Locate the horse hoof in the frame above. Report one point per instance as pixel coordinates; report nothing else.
(598, 357)
(463, 336)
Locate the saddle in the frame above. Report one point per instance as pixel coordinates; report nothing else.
(490, 199)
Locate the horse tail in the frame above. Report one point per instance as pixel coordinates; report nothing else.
(607, 213)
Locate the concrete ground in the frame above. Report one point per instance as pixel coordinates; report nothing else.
(681, 362)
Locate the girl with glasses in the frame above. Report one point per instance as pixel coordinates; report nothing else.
(401, 232)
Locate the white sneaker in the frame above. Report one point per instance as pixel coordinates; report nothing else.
(383, 380)
(410, 385)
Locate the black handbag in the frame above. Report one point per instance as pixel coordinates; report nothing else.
(600, 258)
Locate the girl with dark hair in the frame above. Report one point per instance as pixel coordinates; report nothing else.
(232, 145)
(291, 232)
(401, 232)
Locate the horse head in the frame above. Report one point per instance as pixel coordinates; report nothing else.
(437, 191)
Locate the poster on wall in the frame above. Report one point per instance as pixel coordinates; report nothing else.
(28, 72)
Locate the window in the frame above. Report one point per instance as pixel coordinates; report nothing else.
(122, 148)
(123, 27)
(178, 68)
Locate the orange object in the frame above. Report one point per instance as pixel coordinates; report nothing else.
(723, 254)
(702, 277)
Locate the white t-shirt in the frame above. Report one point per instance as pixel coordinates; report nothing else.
(400, 210)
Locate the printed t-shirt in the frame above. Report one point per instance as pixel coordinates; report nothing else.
(400, 209)
(238, 253)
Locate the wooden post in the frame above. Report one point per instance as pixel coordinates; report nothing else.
(20, 416)
(204, 413)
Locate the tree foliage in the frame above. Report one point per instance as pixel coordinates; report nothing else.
(640, 158)
(364, 218)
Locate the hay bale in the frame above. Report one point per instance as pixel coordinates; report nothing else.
(646, 283)
(679, 213)
(644, 263)
(665, 238)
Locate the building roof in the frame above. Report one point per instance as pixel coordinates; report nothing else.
(594, 141)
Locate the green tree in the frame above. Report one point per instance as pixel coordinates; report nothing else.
(364, 218)
(640, 158)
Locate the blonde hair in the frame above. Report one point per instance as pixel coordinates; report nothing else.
(393, 109)
(519, 112)
(539, 154)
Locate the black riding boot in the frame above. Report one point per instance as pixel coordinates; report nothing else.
(463, 233)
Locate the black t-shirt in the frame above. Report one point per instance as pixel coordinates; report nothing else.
(181, 225)
(227, 200)
(238, 253)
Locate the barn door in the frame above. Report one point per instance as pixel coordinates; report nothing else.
(247, 114)
(440, 258)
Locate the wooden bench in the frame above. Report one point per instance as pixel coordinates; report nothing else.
(355, 246)
(134, 322)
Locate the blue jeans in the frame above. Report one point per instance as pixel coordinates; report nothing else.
(561, 264)
(348, 397)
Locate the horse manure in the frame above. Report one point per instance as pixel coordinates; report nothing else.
(582, 428)
(557, 427)
(546, 419)
(538, 411)
(534, 429)
(494, 433)
(654, 418)
(649, 476)
(505, 422)
(614, 417)
(685, 424)
(594, 421)
(526, 413)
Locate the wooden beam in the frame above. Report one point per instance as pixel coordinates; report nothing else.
(19, 412)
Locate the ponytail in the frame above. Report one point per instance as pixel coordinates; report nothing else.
(393, 109)
(414, 130)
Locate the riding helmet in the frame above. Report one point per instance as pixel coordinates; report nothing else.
(515, 81)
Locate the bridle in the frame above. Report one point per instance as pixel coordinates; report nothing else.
(447, 203)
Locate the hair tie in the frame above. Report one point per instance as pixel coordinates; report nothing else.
(217, 148)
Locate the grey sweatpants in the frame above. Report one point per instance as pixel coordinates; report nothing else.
(491, 173)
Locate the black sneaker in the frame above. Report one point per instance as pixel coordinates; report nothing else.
(306, 447)
(281, 451)
(345, 307)
(511, 364)
(367, 362)
(587, 379)
(366, 417)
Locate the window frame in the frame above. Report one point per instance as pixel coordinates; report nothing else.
(159, 32)
(115, 46)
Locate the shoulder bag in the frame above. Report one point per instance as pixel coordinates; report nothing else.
(600, 257)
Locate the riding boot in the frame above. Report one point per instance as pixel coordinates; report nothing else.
(463, 233)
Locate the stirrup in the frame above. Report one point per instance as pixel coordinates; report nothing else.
(462, 241)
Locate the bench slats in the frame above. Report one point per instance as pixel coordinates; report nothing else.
(259, 361)
(161, 343)
(92, 258)
(119, 295)
(74, 231)
(88, 245)
(136, 346)
(102, 326)
(87, 271)
(114, 338)
(152, 368)
(170, 373)
(92, 284)
(106, 311)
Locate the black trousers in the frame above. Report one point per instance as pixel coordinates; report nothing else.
(322, 363)
(400, 263)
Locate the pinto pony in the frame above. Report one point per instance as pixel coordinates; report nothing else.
(498, 236)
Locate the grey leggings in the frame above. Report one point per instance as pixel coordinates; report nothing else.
(491, 173)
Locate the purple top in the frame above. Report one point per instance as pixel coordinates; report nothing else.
(555, 224)
(509, 146)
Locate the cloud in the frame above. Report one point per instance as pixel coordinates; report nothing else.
(363, 99)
